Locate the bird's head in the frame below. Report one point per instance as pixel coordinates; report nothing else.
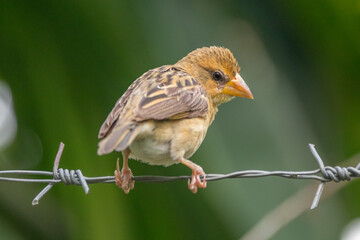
(218, 71)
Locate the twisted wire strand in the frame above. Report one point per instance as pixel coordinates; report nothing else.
(75, 177)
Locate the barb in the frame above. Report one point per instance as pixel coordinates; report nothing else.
(323, 174)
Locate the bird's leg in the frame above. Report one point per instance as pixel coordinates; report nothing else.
(123, 178)
(197, 172)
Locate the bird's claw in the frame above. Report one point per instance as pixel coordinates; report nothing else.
(123, 179)
(196, 180)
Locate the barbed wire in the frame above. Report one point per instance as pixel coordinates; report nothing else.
(75, 177)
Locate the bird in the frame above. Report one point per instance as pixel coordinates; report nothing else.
(164, 115)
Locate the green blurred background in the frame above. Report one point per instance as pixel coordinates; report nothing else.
(65, 63)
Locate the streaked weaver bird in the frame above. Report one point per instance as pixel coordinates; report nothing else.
(163, 116)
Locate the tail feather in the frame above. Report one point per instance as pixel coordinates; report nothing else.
(118, 139)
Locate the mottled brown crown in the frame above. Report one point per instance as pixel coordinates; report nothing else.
(213, 58)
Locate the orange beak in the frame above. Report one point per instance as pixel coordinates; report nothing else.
(237, 87)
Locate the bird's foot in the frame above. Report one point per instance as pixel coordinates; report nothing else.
(196, 181)
(198, 178)
(123, 179)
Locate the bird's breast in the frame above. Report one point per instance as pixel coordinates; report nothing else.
(166, 142)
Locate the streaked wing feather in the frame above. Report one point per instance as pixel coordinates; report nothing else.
(117, 110)
(118, 139)
(177, 96)
(159, 94)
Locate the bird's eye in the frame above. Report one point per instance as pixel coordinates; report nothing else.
(217, 76)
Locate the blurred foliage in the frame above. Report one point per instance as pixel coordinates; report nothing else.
(67, 62)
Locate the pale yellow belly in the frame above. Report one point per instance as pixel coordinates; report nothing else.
(165, 143)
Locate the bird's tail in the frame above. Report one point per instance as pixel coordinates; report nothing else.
(120, 137)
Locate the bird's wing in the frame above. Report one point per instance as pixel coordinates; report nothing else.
(162, 93)
(120, 104)
(173, 94)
